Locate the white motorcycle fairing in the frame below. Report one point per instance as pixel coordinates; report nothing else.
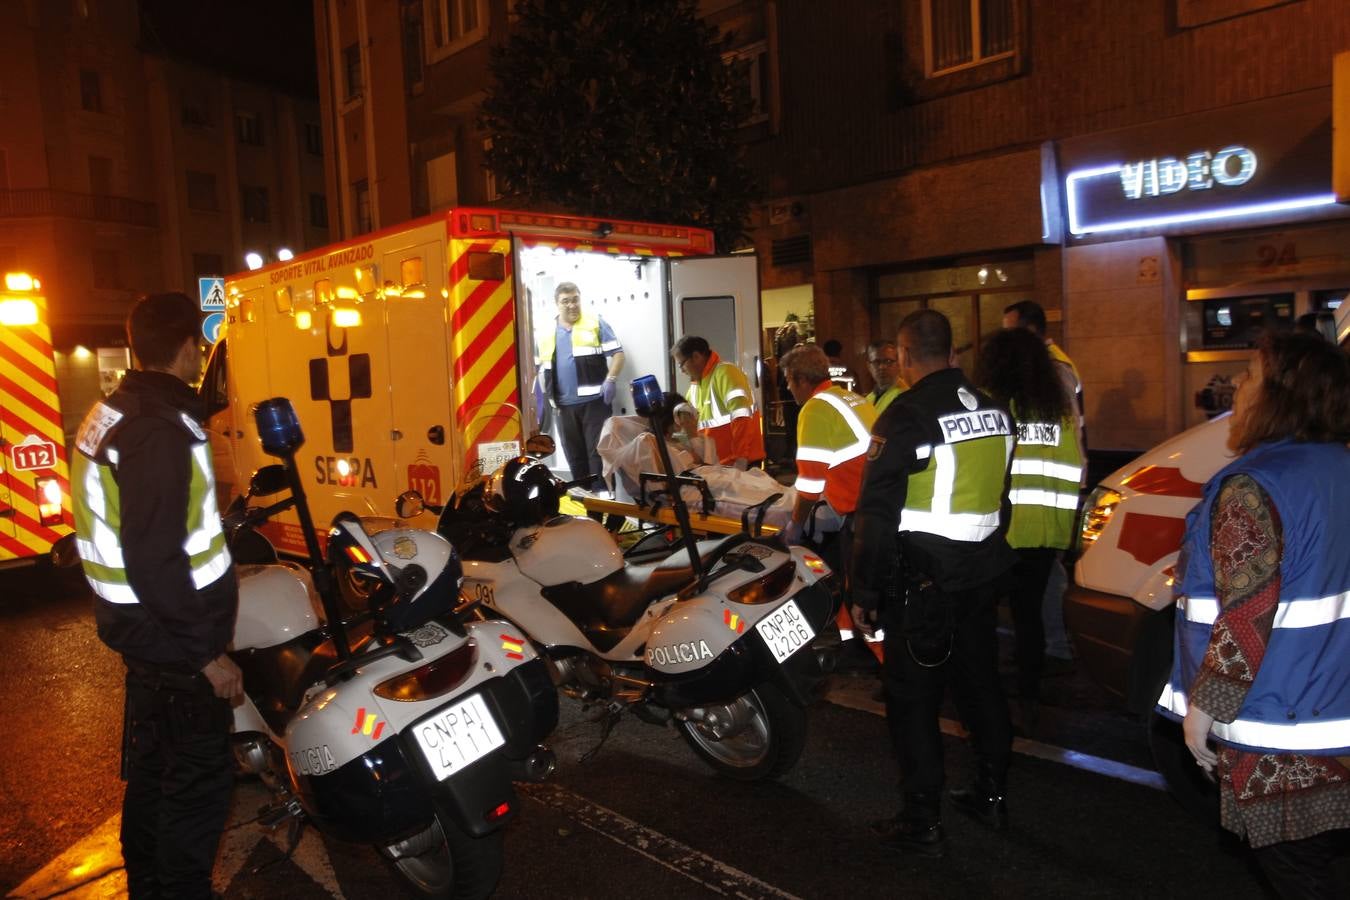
(566, 548)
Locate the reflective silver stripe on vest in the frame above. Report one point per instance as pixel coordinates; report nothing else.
(862, 438)
(1047, 468)
(1311, 612)
(1300, 735)
(809, 485)
(1038, 497)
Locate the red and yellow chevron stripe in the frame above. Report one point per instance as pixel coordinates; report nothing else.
(483, 349)
(29, 405)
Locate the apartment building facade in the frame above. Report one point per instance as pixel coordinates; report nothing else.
(1155, 173)
(126, 167)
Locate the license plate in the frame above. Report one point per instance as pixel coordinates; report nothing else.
(457, 736)
(785, 630)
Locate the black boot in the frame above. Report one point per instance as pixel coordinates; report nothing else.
(983, 800)
(917, 829)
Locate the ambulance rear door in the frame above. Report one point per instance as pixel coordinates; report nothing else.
(422, 434)
(717, 297)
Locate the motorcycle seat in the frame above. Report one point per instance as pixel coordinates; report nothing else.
(277, 677)
(608, 608)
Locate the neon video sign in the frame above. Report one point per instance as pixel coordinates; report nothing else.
(1202, 186)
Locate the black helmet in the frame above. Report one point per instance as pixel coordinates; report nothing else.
(524, 490)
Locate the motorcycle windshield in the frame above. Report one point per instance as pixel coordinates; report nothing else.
(491, 439)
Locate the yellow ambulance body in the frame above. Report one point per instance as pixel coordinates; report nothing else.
(35, 507)
(409, 353)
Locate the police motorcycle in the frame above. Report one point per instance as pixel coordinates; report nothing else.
(714, 639)
(403, 727)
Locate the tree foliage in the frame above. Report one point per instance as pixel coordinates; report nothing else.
(619, 108)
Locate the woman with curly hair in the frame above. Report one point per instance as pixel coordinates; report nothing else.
(1016, 369)
(1263, 616)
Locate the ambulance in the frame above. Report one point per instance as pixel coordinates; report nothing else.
(409, 353)
(1120, 608)
(35, 509)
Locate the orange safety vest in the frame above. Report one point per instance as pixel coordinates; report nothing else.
(727, 413)
(834, 431)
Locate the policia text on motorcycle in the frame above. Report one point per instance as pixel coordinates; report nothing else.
(934, 492)
(150, 538)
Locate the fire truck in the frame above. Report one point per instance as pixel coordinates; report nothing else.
(409, 353)
(35, 507)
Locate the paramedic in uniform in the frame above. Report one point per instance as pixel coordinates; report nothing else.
(833, 431)
(935, 487)
(150, 538)
(579, 362)
(726, 408)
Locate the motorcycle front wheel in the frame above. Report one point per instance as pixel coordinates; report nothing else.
(757, 736)
(443, 861)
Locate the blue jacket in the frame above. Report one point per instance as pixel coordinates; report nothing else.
(1300, 698)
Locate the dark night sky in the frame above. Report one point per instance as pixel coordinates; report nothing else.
(266, 41)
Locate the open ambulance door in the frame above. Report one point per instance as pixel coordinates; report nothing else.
(717, 297)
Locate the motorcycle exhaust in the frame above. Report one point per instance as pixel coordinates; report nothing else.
(536, 767)
(250, 754)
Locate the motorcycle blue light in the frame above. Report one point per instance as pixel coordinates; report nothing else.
(278, 427)
(648, 398)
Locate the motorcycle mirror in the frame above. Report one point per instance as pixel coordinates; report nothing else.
(540, 445)
(409, 505)
(268, 480)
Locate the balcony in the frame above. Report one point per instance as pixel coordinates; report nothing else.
(68, 205)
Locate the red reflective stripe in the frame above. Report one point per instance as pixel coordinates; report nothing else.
(1149, 538)
(1165, 480)
(44, 378)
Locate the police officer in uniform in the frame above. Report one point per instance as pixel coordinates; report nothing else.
(150, 538)
(934, 490)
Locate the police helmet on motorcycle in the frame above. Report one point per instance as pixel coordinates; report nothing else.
(524, 490)
(427, 574)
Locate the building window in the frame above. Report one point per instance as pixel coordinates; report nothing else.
(361, 206)
(750, 70)
(207, 264)
(318, 210)
(253, 201)
(194, 114)
(201, 191)
(107, 269)
(91, 91)
(442, 182)
(100, 176)
(412, 46)
(963, 33)
(248, 128)
(490, 177)
(313, 139)
(453, 25)
(351, 62)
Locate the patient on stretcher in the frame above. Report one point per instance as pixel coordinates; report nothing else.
(628, 448)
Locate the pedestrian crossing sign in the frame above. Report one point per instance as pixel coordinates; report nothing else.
(212, 291)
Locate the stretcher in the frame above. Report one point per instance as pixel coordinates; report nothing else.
(706, 514)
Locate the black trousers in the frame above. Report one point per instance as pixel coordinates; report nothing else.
(1026, 592)
(579, 426)
(1303, 870)
(176, 761)
(914, 691)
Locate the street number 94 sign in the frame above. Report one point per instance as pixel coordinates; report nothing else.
(33, 453)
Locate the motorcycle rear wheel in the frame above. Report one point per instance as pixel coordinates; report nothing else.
(768, 745)
(443, 861)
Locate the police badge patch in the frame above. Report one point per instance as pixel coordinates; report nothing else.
(968, 400)
(874, 449)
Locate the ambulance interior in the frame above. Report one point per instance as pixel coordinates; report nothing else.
(628, 292)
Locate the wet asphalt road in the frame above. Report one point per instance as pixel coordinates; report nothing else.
(643, 816)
